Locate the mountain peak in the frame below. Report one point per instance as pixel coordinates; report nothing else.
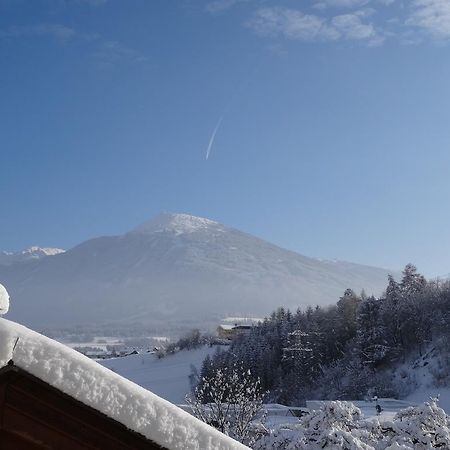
(38, 252)
(176, 223)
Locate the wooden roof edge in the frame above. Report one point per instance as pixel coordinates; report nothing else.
(13, 368)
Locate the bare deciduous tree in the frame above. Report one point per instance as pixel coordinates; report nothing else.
(231, 400)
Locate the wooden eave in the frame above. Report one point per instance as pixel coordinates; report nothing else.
(34, 415)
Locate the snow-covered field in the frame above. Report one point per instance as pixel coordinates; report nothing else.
(167, 377)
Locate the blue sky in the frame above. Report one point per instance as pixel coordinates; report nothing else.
(334, 140)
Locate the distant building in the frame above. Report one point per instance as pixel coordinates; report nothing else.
(240, 326)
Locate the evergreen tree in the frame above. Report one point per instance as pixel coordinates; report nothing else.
(371, 343)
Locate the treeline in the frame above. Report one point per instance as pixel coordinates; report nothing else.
(190, 341)
(344, 351)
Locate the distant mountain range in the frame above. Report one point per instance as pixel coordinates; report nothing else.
(32, 253)
(175, 267)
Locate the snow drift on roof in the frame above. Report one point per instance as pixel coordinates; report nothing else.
(98, 387)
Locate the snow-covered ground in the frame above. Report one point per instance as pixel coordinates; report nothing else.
(278, 415)
(424, 395)
(390, 407)
(422, 373)
(167, 377)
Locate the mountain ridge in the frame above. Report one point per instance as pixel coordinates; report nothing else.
(176, 267)
(28, 254)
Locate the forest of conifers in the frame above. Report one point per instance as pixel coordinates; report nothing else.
(357, 348)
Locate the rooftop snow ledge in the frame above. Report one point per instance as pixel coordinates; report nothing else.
(98, 387)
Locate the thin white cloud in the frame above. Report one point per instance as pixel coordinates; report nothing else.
(217, 6)
(291, 24)
(369, 21)
(350, 4)
(294, 24)
(110, 53)
(106, 53)
(57, 31)
(350, 26)
(322, 4)
(93, 2)
(431, 16)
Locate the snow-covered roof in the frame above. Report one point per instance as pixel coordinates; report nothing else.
(98, 387)
(244, 320)
(227, 326)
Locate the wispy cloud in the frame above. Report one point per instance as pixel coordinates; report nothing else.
(291, 24)
(431, 16)
(93, 3)
(106, 53)
(368, 21)
(406, 21)
(295, 24)
(56, 31)
(322, 4)
(110, 53)
(351, 26)
(217, 6)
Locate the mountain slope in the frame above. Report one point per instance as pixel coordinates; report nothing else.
(176, 267)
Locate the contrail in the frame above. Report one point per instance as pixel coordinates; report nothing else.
(213, 136)
(240, 88)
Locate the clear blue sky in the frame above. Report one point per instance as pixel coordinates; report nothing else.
(335, 139)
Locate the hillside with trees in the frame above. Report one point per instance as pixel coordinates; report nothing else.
(360, 347)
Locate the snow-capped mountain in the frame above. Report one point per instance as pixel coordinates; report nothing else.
(176, 267)
(31, 253)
